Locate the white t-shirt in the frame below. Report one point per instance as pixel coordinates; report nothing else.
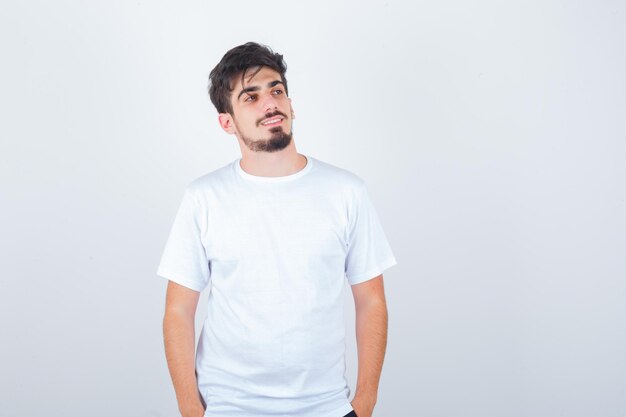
(274, 253)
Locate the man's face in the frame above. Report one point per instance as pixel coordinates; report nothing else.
(262, 113)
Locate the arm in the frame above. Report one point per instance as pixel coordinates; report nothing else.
(371, 335)
(179, 338)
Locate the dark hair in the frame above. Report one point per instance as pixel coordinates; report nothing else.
(237, 61)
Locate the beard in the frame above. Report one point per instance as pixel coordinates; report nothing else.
(278, 141)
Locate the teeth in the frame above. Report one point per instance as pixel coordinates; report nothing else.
(271, 121)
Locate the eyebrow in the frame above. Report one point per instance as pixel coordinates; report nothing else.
(256, 88)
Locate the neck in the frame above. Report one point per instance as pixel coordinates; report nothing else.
(273, 164)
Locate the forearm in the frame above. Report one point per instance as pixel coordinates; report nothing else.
(371, 335)
(179, 338)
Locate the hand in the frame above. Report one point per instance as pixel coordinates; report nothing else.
(363, 407)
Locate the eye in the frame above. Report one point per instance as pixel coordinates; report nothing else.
(277, 91)
(250, 98)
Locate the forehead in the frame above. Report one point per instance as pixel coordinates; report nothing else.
(253, 77)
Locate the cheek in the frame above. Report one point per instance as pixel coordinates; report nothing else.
(244, 122)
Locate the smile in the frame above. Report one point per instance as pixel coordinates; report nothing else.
(272, 122)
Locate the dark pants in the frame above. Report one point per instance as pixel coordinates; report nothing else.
(351, 414)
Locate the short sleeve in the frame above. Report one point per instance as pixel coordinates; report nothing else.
(184, 258)
(369, 253)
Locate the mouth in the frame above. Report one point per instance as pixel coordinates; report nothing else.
(274, 121)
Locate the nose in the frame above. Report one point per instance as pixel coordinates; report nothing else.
(269, 103)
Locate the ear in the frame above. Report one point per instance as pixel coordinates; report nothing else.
(293, 115)
(227, 123)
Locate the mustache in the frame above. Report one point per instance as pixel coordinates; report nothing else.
(270, 115)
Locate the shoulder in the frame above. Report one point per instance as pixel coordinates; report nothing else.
(211, 183)
(345, 181)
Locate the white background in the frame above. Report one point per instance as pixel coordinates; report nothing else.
(492, 136)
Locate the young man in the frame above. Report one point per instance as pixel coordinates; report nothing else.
(273, 235)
